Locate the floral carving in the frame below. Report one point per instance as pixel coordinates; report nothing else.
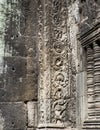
(60, 87)
(55, 59)
(58, 47)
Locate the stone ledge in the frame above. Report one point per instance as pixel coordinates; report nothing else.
(51, 126)
(91, 125)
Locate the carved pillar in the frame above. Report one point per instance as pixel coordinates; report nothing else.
(90, 82)
(97, 78)
(54, 61)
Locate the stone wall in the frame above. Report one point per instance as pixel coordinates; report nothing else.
(41, 32)
(18, 63)
(49, 64)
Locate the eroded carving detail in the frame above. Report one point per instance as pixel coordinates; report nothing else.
(60, 71)
(41, 61)
(44, 60)
(57, 85)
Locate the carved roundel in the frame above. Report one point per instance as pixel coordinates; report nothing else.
(58, 62)
(59, 47)
(60, 77)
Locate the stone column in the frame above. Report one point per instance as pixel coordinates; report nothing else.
(93, 79)
(90, 84)
(97, 78)
(56, 100)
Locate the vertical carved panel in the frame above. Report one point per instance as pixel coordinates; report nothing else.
(56, 81)
(61, 74)
(44, 61)
(59, 71)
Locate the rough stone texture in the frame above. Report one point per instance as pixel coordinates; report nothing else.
(32, 114)
(13, 116)
(89, 14)
(30, 129)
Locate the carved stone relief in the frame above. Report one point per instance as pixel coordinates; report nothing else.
(61, 68)
(44, 61)
(56, 86)
(60, 88)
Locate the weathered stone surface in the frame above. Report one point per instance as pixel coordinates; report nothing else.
(28, 20)
(32, 114)
(57, 66)
(39, 59)
(18, 61)
(13, 116)
(81, 98)
(31, 129)
(89, 12)
(18, 51)
(16, 85)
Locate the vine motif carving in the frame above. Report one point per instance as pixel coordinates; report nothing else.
(54, 59)
(60, 88)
